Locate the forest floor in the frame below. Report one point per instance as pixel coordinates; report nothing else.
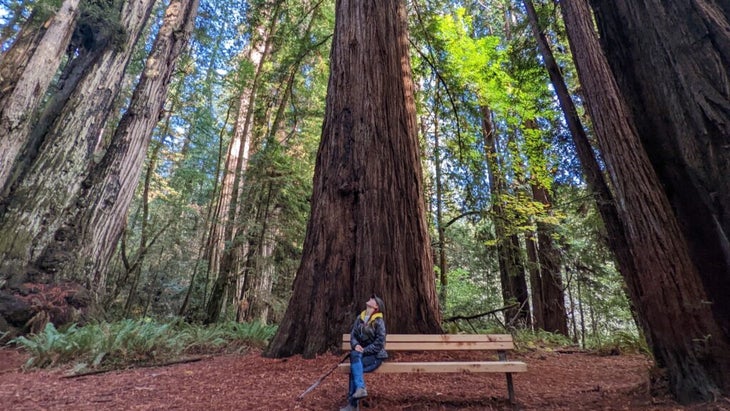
(555, 381)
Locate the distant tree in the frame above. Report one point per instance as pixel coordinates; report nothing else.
(553, 317)
(367, 230)
(273, 168)
(227, 242)
(511, 266)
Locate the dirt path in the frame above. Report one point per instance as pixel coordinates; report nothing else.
(577, 381)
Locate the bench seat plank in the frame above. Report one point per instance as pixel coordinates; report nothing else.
(441, 346)
(443, 342)
(443, 337)
(449, 366)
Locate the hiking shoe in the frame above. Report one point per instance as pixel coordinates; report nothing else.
(360, 393)
(349, 408)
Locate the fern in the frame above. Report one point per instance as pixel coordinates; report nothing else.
(118, 344)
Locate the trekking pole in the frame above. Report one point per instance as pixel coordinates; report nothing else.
(323, 377)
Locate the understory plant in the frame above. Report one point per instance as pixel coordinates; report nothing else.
(128, 342)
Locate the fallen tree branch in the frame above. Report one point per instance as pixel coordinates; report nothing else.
(164, 364)
(471, 317)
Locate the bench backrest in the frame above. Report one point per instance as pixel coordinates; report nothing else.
(442, 342)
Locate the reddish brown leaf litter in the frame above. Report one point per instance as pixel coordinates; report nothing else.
(554, 381)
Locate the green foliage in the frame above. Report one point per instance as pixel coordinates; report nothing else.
(620, 342)
(466, 293)
(46, 348)
(126, 342)
(99, 25)
(591, 276)
(528, 339)
(42, 10)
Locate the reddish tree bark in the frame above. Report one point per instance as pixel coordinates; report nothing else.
(367, 229)
(225, 261)
(554, 315)
(645, 140)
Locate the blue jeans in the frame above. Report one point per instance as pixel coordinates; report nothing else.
(359, 365)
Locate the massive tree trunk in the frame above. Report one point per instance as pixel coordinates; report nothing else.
(93, 229)
(672, 63)
(69, 135)
(26, 71)
(367, 230)
(667, 120)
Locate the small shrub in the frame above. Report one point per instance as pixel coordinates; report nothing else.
(620, 342)
(541, 339)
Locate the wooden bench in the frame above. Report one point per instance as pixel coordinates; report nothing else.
(501, 343)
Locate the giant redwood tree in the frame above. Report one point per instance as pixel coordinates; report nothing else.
(66, 137)
(95, 224)
(367, 229)
(662, 117)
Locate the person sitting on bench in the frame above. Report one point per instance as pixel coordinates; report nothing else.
(367, 340)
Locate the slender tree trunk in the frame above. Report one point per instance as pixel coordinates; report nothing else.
(144, 244)
(228, 259)
(594, 322)
(578, 282)
(615, 228)
(533, 267)
(367, 230)
(511, 269)
(687, 330)
(443, 275)
(518, 282)
(26, 71)
(573, 321)
(551, 283)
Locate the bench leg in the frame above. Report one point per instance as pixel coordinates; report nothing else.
(510, 389)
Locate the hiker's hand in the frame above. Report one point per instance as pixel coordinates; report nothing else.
(359, 348)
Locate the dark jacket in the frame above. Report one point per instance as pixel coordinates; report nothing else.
(370, 336)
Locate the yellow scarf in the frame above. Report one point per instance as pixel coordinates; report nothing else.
(372, 318)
